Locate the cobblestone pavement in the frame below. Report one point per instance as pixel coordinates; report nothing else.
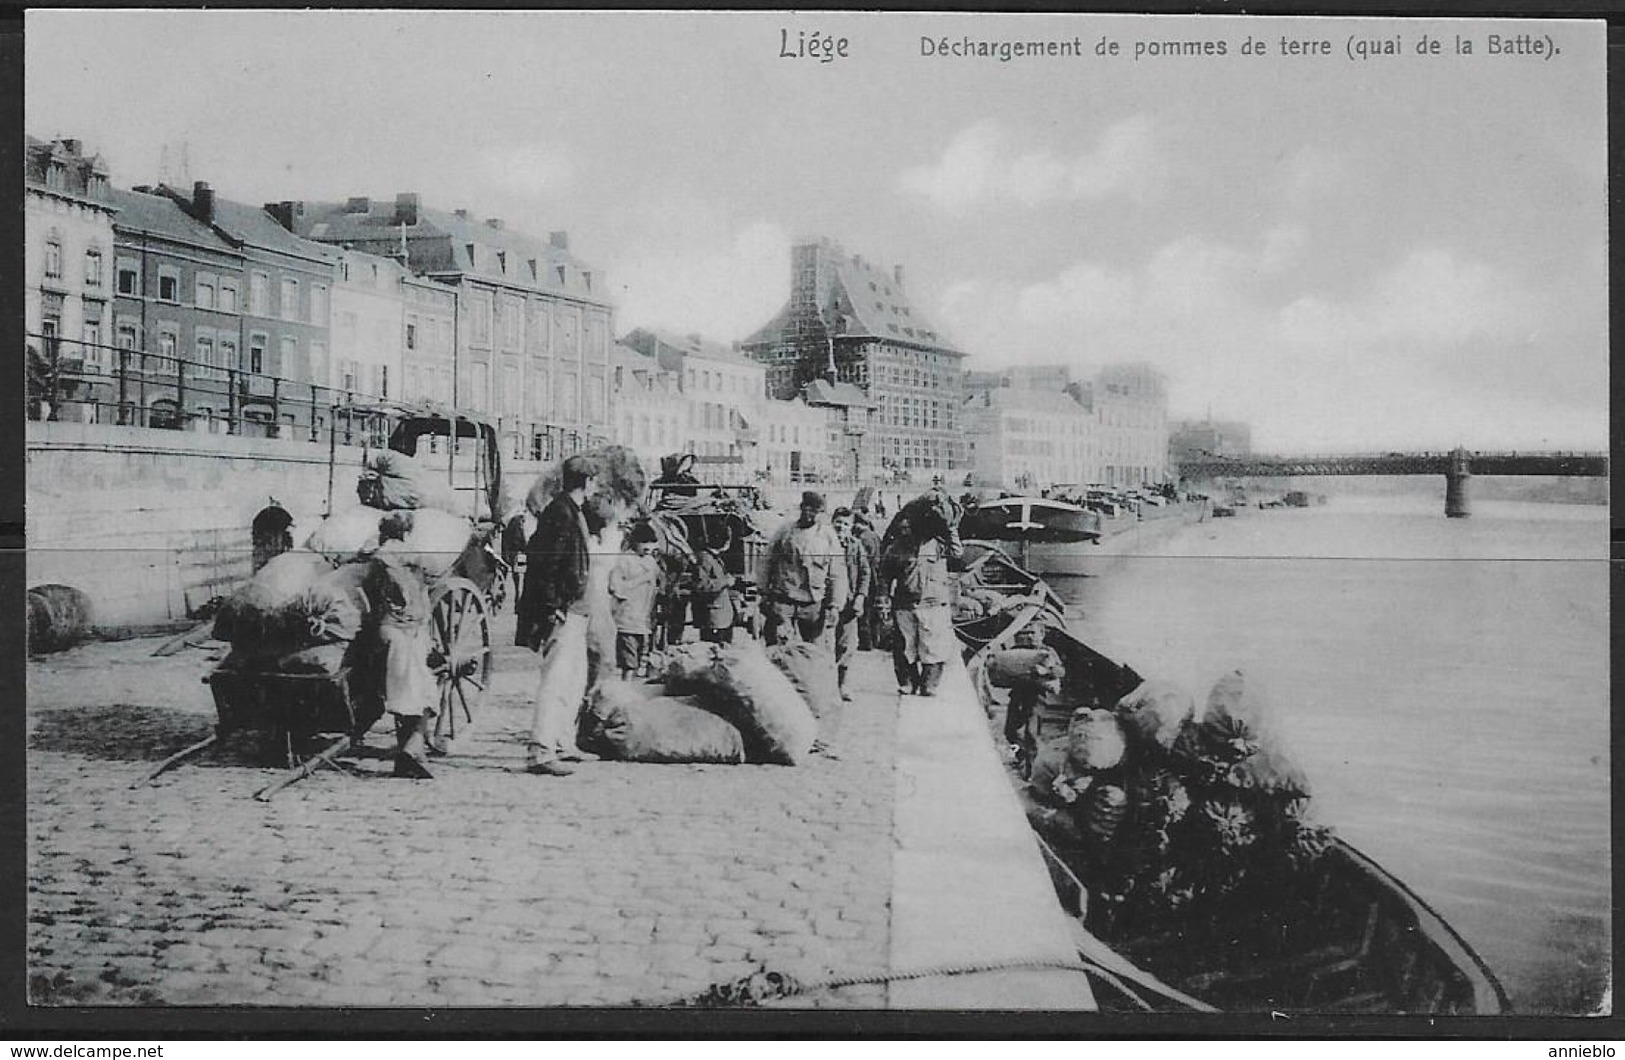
(622, 884)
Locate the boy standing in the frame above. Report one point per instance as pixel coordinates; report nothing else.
(632, 588)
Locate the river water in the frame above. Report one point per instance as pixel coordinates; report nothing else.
(1443, 682)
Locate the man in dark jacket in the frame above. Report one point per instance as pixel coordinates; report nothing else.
(552, 616)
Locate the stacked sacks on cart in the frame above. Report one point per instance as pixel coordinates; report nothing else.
(298, 614)
(1177, 812)
(432, 541)
(753, 712)
(392, 481)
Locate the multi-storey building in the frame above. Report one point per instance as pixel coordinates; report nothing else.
(722, 389)
(1026, 439)
(533, 323)
(68, 264)
(848, 415)
(429, 344)
(1131, 406)
(178, 323)
(651, 418)
(795, 443)
(286, 307)
(853, 315)
(369, 328)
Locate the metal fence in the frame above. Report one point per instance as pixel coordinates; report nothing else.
(73, 380)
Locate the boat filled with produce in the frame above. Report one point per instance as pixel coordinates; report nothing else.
(1181, 834)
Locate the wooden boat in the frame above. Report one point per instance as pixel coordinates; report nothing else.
(1348, 937)
(1030, 519)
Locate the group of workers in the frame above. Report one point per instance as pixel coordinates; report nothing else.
(821, 582)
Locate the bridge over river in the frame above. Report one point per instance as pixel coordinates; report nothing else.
(1457, 466)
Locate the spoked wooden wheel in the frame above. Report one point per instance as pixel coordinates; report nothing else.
(459, 655)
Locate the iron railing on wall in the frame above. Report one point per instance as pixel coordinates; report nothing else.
(70, 379)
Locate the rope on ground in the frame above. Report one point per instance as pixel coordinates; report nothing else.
(766, 985)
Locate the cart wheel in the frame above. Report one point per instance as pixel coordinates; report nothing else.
(459, 655)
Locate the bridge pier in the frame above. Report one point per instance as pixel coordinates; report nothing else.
(1456, 477)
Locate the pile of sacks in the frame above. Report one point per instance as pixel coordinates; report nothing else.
(731, 704)
(1178, 813)
(405, 509)
(299, 614)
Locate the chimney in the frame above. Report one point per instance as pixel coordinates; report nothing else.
(357, 204)
(74, 147)
(203, 202)
(462, 214)
(406, 208)
(559, 240)
(494, 222)
(897, 274)
(285, 212)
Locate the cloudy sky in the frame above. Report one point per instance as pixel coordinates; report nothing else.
(1400, 251)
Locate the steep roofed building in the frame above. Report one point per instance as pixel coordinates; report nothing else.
(852, 315)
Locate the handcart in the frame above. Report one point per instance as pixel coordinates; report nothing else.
(294, 709)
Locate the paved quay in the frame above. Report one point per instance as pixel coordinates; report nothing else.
(624, 884)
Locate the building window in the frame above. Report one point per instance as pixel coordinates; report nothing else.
(285, 365)
(91, 334)
(289, 305)
(318, 304)
(127, 337)
(480, 311)
(256, 352)
(205, 358)
(166, 343)
(259, 294)
(205, 291)
(93, 268)
(53, 258)
(512, 393)
(129, 277)
(513, 323)
(228, 296)
(411, 336)
(383, 380)
(169, 285)
(228, 353)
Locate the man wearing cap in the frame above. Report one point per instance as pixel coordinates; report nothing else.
(802, 576)
(553, 613)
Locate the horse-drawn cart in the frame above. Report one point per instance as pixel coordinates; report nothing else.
(344, 700)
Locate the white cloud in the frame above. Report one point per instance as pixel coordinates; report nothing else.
(1433, 350)
(982, 164)
(1284, 247)
(533, 169)
(723, 290)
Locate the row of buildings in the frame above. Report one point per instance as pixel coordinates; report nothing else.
(175, 307)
